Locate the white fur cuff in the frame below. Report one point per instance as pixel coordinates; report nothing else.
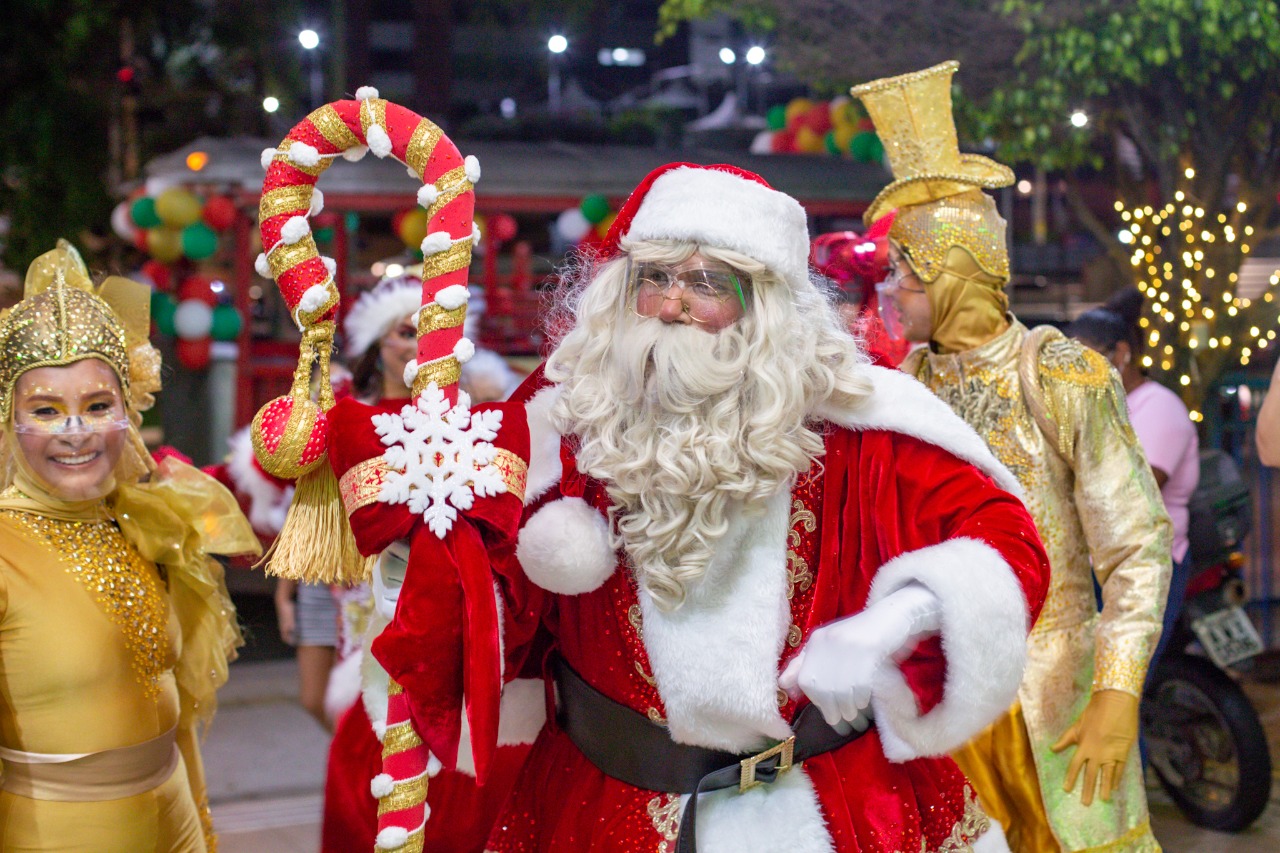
(984, 637)
(564, 547)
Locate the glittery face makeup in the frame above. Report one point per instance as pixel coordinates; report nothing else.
(68, 424)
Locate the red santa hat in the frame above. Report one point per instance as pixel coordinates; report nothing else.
(720, 206)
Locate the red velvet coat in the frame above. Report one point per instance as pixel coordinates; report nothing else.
(882, 508)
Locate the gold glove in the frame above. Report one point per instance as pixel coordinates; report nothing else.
(1103, 737)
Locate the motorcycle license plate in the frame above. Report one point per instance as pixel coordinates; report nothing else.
(1228, 636)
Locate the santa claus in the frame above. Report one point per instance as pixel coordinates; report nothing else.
(769, 585)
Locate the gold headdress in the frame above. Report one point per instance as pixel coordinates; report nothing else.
(63, 318)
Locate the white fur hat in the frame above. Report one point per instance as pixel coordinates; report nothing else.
(377, 310)
(721, 206)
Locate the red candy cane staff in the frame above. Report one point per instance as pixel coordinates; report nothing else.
(291, 433)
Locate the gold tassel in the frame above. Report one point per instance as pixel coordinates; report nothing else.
(315, 544)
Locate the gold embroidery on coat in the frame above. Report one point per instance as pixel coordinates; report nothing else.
(666, 820)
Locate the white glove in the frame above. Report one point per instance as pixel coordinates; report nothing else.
(840, 662)
(388, 577)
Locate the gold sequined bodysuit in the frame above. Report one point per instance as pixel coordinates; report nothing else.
(1100, 515)
(88, 645)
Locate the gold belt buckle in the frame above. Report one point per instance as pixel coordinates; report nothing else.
(786, 749)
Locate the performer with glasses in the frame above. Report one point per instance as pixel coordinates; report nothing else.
(1060, 769)
(740, 543)
(115, 624)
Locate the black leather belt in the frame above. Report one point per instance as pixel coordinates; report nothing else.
(628, 746)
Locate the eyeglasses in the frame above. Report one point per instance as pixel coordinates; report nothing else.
(73, 425)
(704, 291)
(898, 272)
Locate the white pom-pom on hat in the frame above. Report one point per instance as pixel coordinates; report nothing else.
(427, 195)
(453, 297)
(355, 153)
(295, 229)
(463, 350)
(304, 154)
(364, 93)
(392, 838)
(472, 167)
(314, 298)
(410, 372)
(382, 785)
(433, 766)
(379, 142)
(261, 266)
(437, 242)
(330, 264)
(564, 547)
(268, 154)
(317, 202)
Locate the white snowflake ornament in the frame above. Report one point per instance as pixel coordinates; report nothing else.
(441, 457)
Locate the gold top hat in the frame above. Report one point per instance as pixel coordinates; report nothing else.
(912, 114)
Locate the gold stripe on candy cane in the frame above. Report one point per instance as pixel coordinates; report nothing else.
(456, 257)
(284, 199)
(333, 128)
(451, 184)
(399, 739)
(282, 153)
(372, 111)
(434, 318)
(286, 257)
(406, 794)
(443, 371)
(413, 844)
(423, 142)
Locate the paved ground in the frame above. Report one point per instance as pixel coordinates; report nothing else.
(265, 763)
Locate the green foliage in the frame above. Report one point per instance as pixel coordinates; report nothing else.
(758, 15)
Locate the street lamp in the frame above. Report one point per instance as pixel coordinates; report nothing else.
(755, 55)
(310, 40)
(1079, 118)
(557, 44)
(727, 56)
(271, 103)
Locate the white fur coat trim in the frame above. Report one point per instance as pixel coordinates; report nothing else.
(544, 445)
(901, 403)
(782, 816)
(521, 716)
(268, 501)
(984, 637)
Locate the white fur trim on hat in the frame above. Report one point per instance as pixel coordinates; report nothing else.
(727, 211)
(564, 547)
(377, 310)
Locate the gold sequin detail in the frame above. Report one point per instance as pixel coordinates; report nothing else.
(514, 471)
(372, 111)
(456, 257)
(969, 220)
(793, 636)
(451, 184)
(286, 199)
(443, 371)
(633, 616)
(409, 792)
(656, 717)
(421, 145)
(282, 153)
(433, 318)
(973, 823)
(649, 679)
(125, 586)
(399, 739)
(664, 811)
(1121, 664)
(285, 257)
(333, 128)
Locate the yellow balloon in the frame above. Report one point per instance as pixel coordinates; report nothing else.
(413, 227)
(839, 109)
(482, 223)
(844, 135)
(809, 142)
(603, 226)
(164, 244)
(177, 207)
(797, 108)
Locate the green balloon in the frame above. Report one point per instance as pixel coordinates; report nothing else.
(595, 208)
(143, 212)
(324, 235)
(163, 307)
(227, 323)
(199, 241)
(830, 141)
(777, 116)
(353, 220)
(866, 147)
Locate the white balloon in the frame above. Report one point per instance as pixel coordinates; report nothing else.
(763, 143)
(572, 225)
(193, 320)
(122, 223)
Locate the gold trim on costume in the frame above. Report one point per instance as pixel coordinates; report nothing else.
(666, 820)
(443, 371)
(433, 318)
(362, 484)
(456, 257)
(514, 470)
(285, 257)
(399, 739)
(408, 793)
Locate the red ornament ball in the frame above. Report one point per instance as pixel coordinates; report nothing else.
(219, 213)
(161, 276)
(502, 227)
(290, 436)
(197, 287)
(194, 354)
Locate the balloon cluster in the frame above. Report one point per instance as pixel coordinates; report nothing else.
(196, 316)
(839, 127)
(175, 224)
(588, 223)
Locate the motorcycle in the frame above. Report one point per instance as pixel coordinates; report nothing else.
(1204, 739)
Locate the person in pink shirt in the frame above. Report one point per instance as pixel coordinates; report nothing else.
(1162, 423)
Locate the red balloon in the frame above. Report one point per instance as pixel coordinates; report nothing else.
(197, 287)
(194, 355)
(817, 118)
(502, 227)
(397, 218)
(140, 240)
(158, 273)
(219, 213)
(783, 142)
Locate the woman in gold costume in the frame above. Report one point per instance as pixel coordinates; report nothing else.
(115, 625)
(1060, 771)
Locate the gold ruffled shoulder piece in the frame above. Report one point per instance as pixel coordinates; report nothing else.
(1065, 360)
